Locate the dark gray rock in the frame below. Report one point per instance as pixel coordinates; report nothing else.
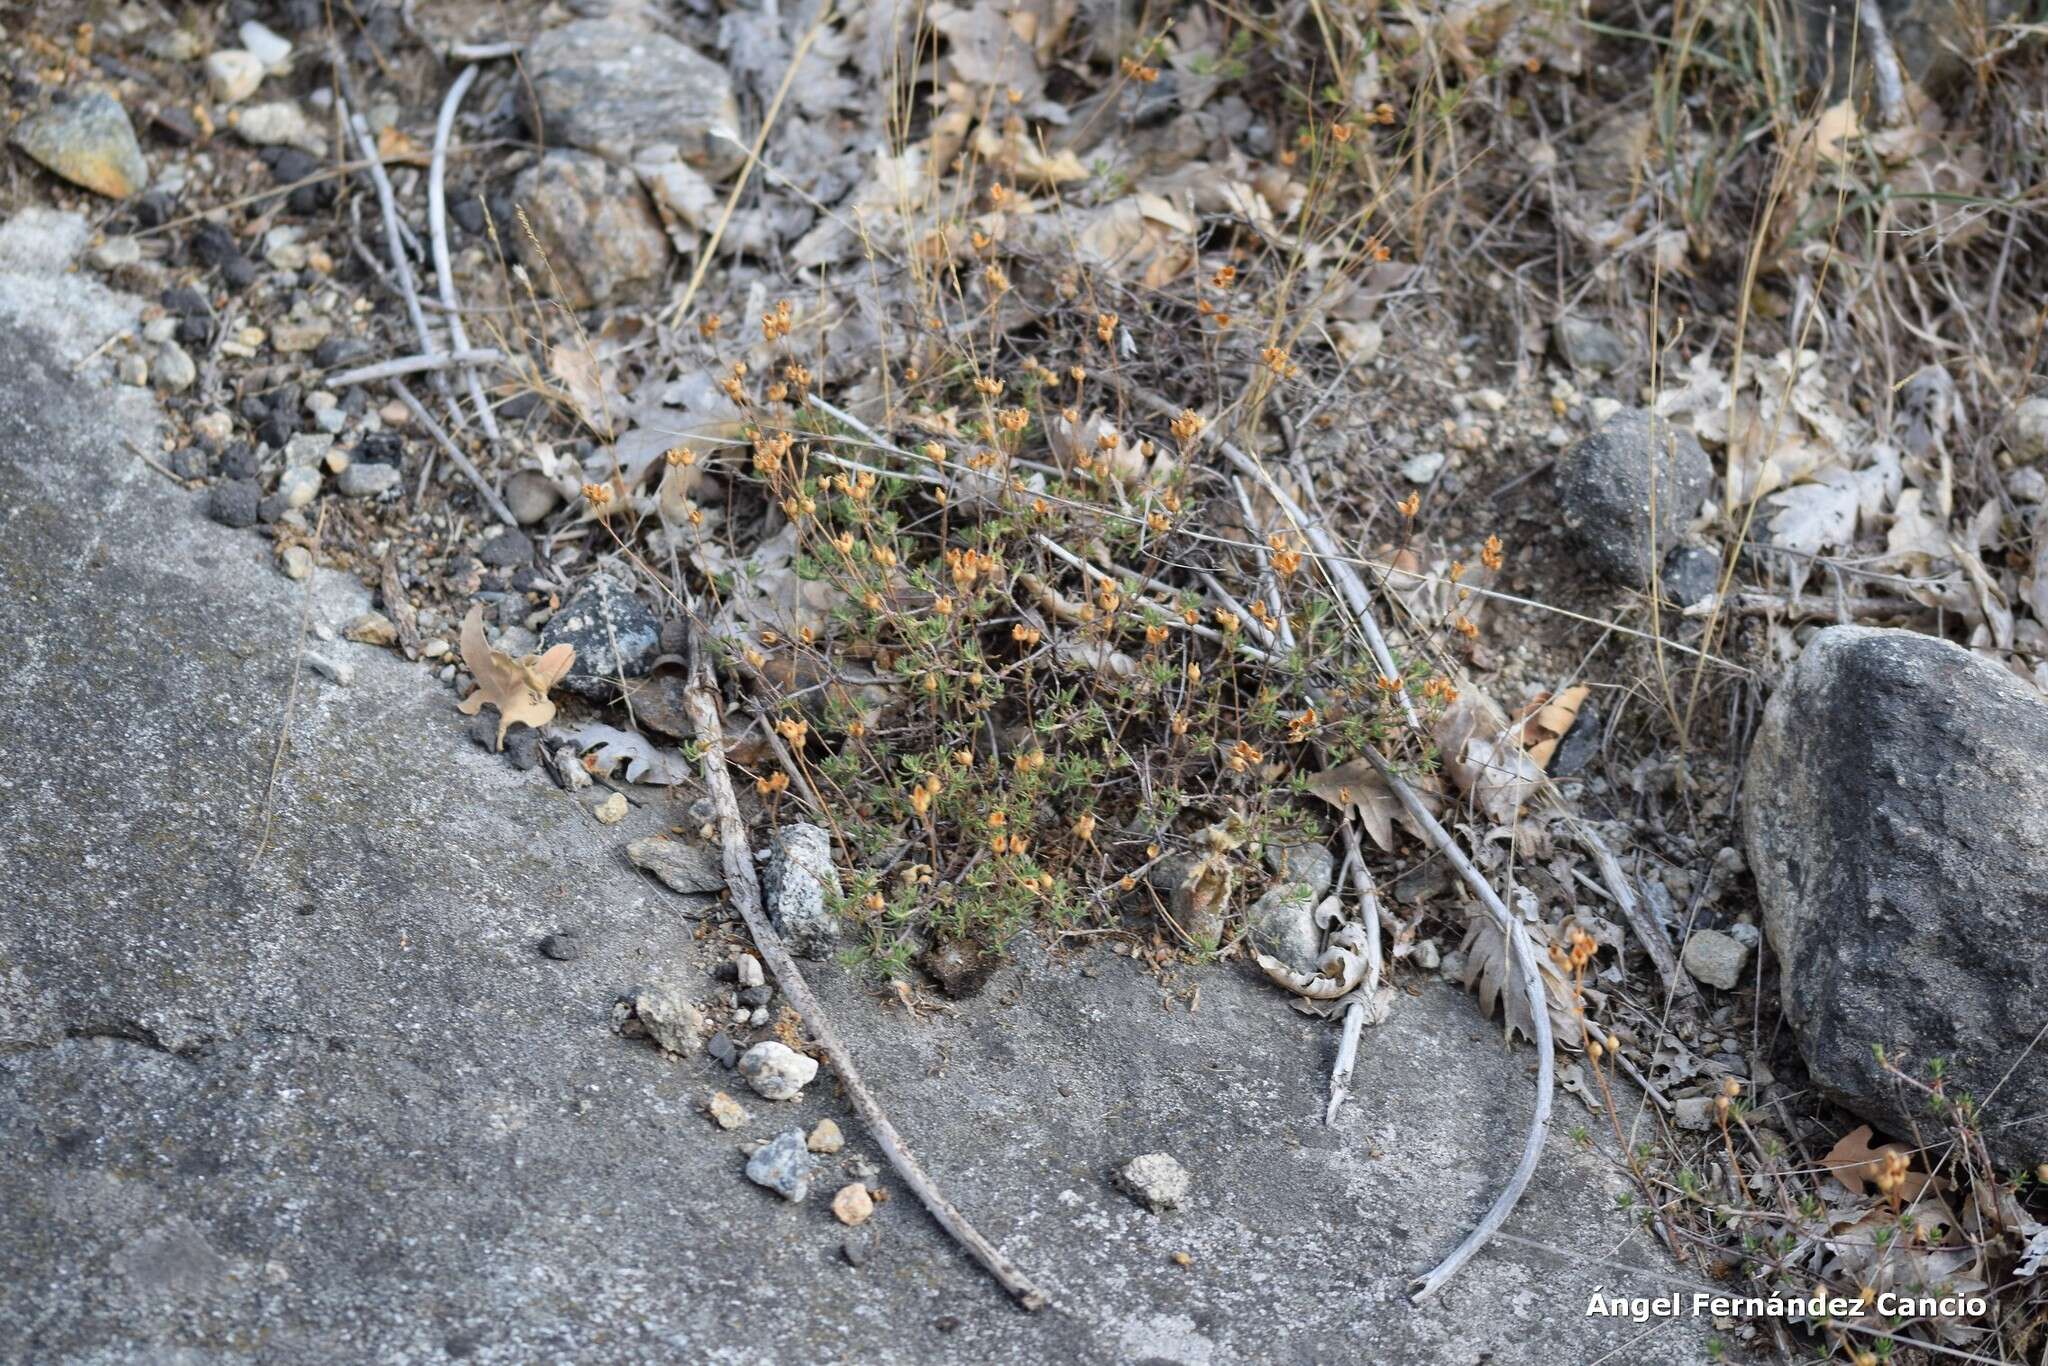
(795, 885)
(784, 1165)
(613, 90)
(1586, 345)
(596, 238)
(508, 548)
(1608, 483)
(1691, 574)
(214, 245)
(339, 352)
(1896, 813)
(614, 634)
(241, 461)
(723, 1050)
(563, 947)
(235, 502)
(522, 748)
(1579, 744)
(89, 141)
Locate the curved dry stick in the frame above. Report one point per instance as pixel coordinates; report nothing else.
(462, 462)
(701, 699)
(437, 232)
(394, 243)
(1539, 1012)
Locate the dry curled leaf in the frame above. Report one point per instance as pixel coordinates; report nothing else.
(1358, 786)
(518, 688)
(1338, 971)
(1481, 758)
(1488, 972)
(608, 750)
(1548, 718)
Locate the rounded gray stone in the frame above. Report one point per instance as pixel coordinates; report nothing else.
(1627, 492)
(614, 635)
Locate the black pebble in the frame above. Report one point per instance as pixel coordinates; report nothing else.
(468, 214)
(757, 996)
(382, 448)
(1690, 573)
(288, 164)
(279, 426)
(195, 331)
(214, 245)
(271, 509)
(234, 502)
(722, 1049)
(725, 972)
(154, 209)
(522, 747)
(507, 549)
(186, 303)
(336, 352)
(239, 461)
(563, 947)
(189, 462)
(947, 1323)
(483, 731)
(519, 406)
(175, 124)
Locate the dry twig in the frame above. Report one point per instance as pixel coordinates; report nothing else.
(437, 231)
(462, 462)
(413, 365)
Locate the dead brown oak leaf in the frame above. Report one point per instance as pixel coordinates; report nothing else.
(1854, 1162)
(518, 688)
(1357, 786)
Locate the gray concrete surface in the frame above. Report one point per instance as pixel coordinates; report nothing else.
(332, 1105)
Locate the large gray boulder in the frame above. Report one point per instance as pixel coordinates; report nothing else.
(1628, 491)
(1897, 822)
